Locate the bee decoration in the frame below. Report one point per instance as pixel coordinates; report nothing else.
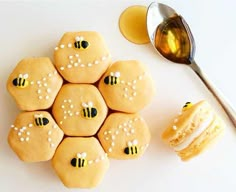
(132, 148)
(88, 110)
(80, 43)
(187, 106)
(80, 160)
(40, 120)
(112, 79)
(21, 81)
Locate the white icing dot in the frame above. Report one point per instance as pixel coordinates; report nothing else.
(52, 145)
(79, 60)
(64, 117)
(12, 126)
(38, 82)
(125, 124)
(90, 161)
(134, 94)
(105, 133)
(61, 122)
(62, 68)
(89, 64)
(48, 90)
(19, 133)
(77, 113)
(69, 66)
(31, 82)
(120, 126)
(69, 45)
(16, 128)
(65, 112)
(44, 79)
(54, 126)
(77, 55)
(125, 95)
(47, 97)
(97, 160)
(27, 133)
(130, 98)
(103, 58)
(69, 100)
(40, 97)
(45, 84)
(71, 114)
(113, 144)
(71, 106)
(71, 56)
(122, 81)
(62, 46)
(132, 130)
(133, 87)
(125, 130)
(103, 157)
(30, 125)
(96, 62)
(174, 127)
(62, 106)
(109, 131)
(40, 85)
(110, 150)
(113, 137)
(176, 120)
(107, 138)
(75, 64)
(71, 61)
(49, 75)
(140, 77)
(22, 139)
(130, 121)
(117, 132)
(49, 139)
(82, 65)
(126, 89)
(39, 91)
(129, 83)
(49, 132)
(136, 119)
(134, 81)
(27, 138)
(55, 72)
(56, 48)
(65, 101)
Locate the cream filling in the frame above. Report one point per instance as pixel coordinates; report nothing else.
(202, 127)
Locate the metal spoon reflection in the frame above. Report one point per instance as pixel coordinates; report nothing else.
(171, 37)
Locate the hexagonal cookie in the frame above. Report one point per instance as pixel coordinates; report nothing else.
(124, 136)
(82, 57)
(126, 86)
(34, 83)
(79, 109)
(34, 136)
(80, 166)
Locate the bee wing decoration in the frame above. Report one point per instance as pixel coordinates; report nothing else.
(84, 105)
(77, 38)
(81, 38)
(79, 155)
(90, 103)
(20, 75)
(135, 142)
(112, 74)
(117, 74)
(26, 76)
(83, 155)
(129, 144)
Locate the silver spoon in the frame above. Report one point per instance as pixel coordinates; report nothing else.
(171, 37)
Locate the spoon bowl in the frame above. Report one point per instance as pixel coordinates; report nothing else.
(171, 37)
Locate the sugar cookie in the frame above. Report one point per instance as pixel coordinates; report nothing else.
(34, 83)
(124, 136)
(79, 109)
(126, 86)
(34, 136)
(80, 166)
(193, 130)
(82, 57)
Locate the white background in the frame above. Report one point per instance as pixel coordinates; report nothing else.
(34, 28)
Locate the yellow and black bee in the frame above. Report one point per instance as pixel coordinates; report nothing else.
(88, 110)
(80, 160)
(132, 148)
(40, 120)
(112, 79)
(21, 81)
(80, 43)
(187, 106)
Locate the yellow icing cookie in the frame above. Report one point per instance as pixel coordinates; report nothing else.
(34, 136)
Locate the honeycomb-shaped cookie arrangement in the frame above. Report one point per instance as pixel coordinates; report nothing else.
(84, 97)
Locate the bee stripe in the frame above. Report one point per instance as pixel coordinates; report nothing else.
(84, 112)
(115, 80)
(136, 150)
(23, 83)
(132, 150)
(79, 161)
(83, 162)
(19, 82)
(112, 80)
(88, 112)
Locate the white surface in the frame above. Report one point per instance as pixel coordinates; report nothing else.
(33, 29)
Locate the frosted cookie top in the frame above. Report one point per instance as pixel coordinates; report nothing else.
(126, 86)
(79, 109)
(34, 136)
(124, 136)
(82, 57)
(82, 165)
(34, 83)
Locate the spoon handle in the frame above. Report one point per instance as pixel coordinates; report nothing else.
(222, 101)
